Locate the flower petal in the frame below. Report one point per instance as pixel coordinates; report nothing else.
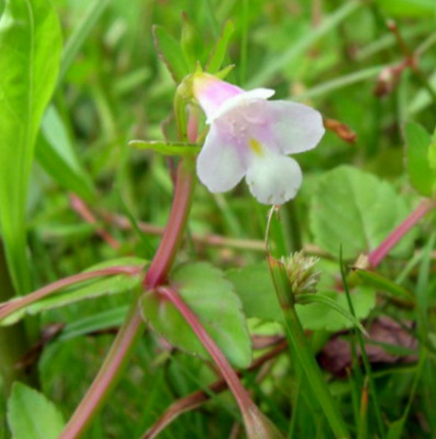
(220, 166)
(211, 92)
(239, 100)
(273, 178)
(294, 127)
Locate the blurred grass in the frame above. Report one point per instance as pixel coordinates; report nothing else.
(325, 53)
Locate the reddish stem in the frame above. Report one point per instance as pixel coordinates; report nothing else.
(173, 234)
(376, 256)
(83, 211)
(107, 376)
(229, 375)
(8, 308)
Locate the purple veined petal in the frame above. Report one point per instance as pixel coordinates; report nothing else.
(292, 127)
(220, 164)
(273, 178)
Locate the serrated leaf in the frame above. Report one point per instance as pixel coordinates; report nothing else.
(167, 148)
(31, 415)
(328, 302)
(30, 47)
(171, 54)
(357, 210)
(57, 156)
(255, 288)
(213, 299)
(319, 316)
(218, 55)
(115, 284)
(421, 175)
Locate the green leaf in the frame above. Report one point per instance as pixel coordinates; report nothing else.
(254, 286)
(219, 53)
(357, 210)
(408, 8)
(323, 316)
(212, 298)
(328, 302)
(382, 283)
(109, 285)
(30, 47)
(56, 154)
(432, 154)
(171, 54)
(31, 415)
(167, 148)
(417, 153)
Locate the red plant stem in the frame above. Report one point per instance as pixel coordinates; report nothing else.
(14, 305)
(197, 398)
(376, 256)
(83, 211)
(133, 325)
(173, 234)
(241, 395)
(107, 376)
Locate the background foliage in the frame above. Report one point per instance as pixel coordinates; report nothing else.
(336, 56)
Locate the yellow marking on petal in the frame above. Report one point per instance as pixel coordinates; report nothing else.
(256, 147)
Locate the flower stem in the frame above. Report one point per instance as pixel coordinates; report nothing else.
(9, 308)
(107, 376)
(301, 350)
(256, 424)
(376, 256)
(173, 233)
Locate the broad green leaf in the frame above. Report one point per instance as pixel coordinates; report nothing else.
(408, 8)
(167, 148)
(32, 416)
(328, 302)
(212, 298)
(56, 154)
(255, 288)
(108, 285)
(382, 283)
(30, 47)
(357, 210)
(171, 54)
(323, 316)
(218, 55)
(420, 174)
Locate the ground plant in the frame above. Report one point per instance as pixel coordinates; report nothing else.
(217, 219)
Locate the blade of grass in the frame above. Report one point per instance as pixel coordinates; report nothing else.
(273, 66)
(366, 363)
(80, 33)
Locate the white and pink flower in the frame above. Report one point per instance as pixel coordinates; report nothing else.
(252, 137)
